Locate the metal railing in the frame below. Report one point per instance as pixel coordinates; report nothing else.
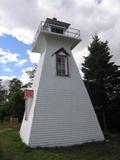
(70, 32)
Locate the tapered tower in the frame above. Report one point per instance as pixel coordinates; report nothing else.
(59, 111)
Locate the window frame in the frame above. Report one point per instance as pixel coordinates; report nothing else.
(66, 65)
(67, 55)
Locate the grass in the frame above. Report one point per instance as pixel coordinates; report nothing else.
(11, 148)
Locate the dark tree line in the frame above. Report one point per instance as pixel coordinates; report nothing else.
(102, 80)
(12, 100)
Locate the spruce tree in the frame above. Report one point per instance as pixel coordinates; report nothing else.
(101, 76)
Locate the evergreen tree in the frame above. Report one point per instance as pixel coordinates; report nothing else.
(101, 76)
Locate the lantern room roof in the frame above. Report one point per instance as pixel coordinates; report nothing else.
(54, 21)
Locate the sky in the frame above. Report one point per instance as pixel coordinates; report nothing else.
(19, 20)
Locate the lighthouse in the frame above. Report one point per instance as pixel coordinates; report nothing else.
(58, 110)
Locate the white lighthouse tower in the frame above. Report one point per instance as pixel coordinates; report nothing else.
(59, 112)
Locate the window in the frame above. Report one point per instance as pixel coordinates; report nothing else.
(56, 30)
(62, 65)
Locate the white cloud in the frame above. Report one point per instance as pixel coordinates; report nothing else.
(83, 53)
(34, 57)
(23, 34)
(21, 62)
(24, 77)
(7, 56)
(8, 70)
(7, 77)
(13, 19)
(27, 69)
(112, 6)
(6, 81)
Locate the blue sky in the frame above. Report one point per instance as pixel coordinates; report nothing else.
(19, 21)
(14, 58)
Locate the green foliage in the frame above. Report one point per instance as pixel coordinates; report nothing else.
(101, 76)
(13, 105)
(16, 98)
(14, 87)
(4, 111)
(3, 93)
(3, 104)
